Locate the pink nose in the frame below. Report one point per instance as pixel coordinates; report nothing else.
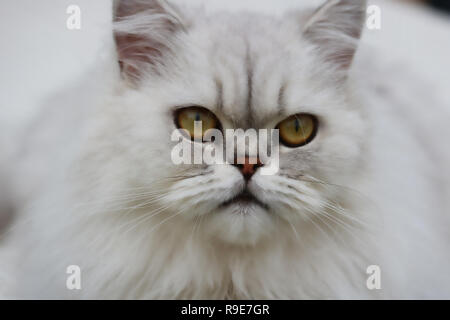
(248, 169)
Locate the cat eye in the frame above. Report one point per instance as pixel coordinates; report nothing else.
(185, 119)
(298, 130)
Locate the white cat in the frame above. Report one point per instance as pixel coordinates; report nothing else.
(93, 184)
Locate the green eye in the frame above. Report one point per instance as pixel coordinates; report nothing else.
(185, 119)
(298, 130)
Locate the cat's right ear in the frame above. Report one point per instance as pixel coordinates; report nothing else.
(144, 32)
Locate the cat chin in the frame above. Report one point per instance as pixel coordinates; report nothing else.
(241, 224)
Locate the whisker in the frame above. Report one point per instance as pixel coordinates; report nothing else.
(346, 227)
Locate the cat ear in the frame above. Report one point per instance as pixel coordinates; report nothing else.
(335, 28)
(144, 32)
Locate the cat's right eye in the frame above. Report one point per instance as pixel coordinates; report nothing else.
(185, 118)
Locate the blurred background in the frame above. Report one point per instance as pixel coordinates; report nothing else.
(440, 4)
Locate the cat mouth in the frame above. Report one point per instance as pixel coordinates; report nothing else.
(245, 198)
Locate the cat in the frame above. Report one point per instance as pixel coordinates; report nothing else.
(93, 183)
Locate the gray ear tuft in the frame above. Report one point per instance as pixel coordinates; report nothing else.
(335, 28)
(143, 32)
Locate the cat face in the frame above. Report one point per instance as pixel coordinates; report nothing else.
(242, 71)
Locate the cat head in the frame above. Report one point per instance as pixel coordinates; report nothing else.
(240, 71)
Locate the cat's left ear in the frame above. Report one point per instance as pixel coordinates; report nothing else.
(335, 29)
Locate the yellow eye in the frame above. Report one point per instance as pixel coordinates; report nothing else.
(185, 119)
(298, 130)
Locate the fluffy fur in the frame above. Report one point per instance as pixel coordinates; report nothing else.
(98, 189)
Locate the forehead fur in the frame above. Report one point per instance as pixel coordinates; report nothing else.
(249, 67)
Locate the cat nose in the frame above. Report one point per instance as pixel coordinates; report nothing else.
(248, 169)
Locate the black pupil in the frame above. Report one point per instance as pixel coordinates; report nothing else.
(297, 125)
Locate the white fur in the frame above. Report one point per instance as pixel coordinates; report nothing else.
(94, 167)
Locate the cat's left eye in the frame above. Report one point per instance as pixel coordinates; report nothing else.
(185, 118)
(298, 130)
